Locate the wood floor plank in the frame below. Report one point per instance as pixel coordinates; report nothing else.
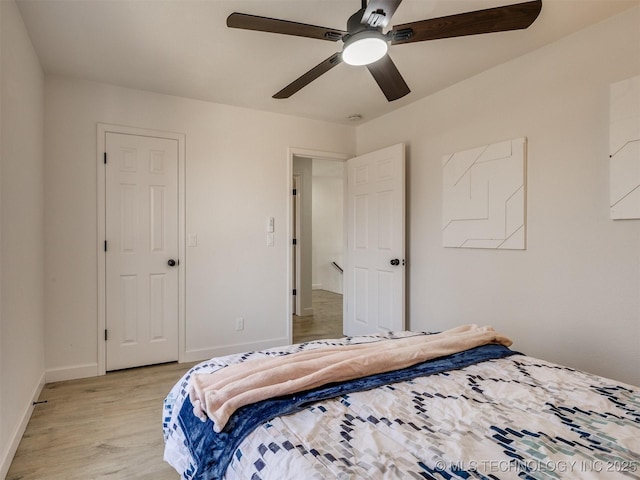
(107, 427)
(326, 321)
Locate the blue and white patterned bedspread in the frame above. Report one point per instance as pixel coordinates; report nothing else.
(514, 417)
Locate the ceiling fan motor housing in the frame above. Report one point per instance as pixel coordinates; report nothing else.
(356, 24)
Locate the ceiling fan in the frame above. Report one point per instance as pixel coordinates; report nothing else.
(366, 44)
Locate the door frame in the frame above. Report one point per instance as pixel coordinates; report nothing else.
(102, 130)
(295, 233)
(305, 152)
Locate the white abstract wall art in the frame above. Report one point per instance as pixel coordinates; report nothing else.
(624, 149)
(483, 196)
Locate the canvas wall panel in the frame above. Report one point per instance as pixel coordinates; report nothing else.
(624, 149)
(483, 203)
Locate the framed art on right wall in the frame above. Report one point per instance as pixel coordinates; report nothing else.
(624, 149)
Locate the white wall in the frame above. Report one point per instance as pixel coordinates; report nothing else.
(21, 227)
(4, 453)
(328, 239)
(573, 296)
(237, 175)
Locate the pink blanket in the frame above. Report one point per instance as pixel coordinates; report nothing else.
(217, 395)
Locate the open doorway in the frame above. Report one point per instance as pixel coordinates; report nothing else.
(373, 241)
(318, 248)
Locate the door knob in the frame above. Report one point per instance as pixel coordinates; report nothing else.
(172, 262)
(395, 262)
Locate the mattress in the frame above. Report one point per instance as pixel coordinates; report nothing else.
(506, 416)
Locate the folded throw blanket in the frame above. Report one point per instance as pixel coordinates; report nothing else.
(217, 395)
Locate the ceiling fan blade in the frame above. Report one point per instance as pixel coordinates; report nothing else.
(388, 77)
(273, 25)
(310, 76)
(499, 19)
(379, 12)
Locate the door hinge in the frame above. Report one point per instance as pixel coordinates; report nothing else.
(105, 158)
(295, 191)
(105, 245)
(106, 335)
(294, 291)
(295, 241)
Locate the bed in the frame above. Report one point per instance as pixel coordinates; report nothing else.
(485, 412)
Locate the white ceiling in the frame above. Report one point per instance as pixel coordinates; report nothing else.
(183, 47)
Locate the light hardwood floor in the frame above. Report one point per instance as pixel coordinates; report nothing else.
(326, 321)
(110, 427)
(107, 427)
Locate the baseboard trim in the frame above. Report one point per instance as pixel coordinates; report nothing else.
(74, 372)
(207, 353)
(307, 312)
(16, 436)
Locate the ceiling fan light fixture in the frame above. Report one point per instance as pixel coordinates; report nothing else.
(364, 48)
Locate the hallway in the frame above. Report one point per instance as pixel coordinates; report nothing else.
(326, 321)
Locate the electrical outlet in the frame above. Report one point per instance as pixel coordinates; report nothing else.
(239, 324)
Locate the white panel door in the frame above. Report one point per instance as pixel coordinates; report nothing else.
(375, 274)
(142, 243)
